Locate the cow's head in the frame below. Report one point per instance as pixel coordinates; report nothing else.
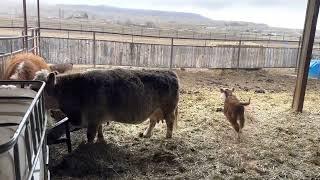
(49, 91)
(226, 92)
(46, 76)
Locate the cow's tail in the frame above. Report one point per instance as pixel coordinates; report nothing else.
(245, 103)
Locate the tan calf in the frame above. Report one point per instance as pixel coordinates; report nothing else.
(234, 110)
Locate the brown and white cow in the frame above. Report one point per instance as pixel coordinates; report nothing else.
(24, 66)
(127, 96)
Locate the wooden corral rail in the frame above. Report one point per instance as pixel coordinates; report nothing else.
(97, 48)
(154, 36)
(80, 51)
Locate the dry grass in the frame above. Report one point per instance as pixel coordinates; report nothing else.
(276, 144)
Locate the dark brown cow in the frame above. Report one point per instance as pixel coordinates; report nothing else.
(128, 96)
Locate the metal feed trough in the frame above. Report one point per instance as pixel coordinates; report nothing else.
(55, 133)
(23, 148)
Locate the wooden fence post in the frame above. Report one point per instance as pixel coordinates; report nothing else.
(38, 41)
(38, 28)
(238, 58)
(171, 54)
(23, 40)
(68, 46)
(131, 35)
(25, 25)
(11, 46)
(94, 49)
(305, 54)
(35, 42)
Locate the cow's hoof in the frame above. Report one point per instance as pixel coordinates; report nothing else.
(146, 136)
(89, 142)
(142, 135)
(101, 140)
(169, 136)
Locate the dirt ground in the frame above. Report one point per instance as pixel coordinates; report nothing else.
(276, 143)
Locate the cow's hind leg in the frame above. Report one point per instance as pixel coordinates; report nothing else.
(100, 134)
(242, 120)
(170, 121)
(91, 132)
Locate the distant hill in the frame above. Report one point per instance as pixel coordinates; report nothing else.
(115, 14)
(141, 16)
(123, 14)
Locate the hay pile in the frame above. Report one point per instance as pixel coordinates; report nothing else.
(276, 144)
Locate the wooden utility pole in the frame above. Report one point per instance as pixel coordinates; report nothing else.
(38, 13)
(25, 39)
(171, 54)
(94, 49)
(305, 54)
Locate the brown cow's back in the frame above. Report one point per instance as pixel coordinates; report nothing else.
(24, 66)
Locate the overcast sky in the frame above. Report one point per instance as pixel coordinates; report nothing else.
(278, 13)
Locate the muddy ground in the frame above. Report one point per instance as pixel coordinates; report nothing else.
(276, 143)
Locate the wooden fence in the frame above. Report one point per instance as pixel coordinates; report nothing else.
(83, 51)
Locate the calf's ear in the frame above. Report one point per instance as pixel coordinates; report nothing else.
(221, 90)
(232, 90)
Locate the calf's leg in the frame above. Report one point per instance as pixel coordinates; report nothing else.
(154, 118)
(148, 132)
(100, 134)
(92, 131)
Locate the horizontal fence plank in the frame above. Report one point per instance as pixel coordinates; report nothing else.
(62, 50)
